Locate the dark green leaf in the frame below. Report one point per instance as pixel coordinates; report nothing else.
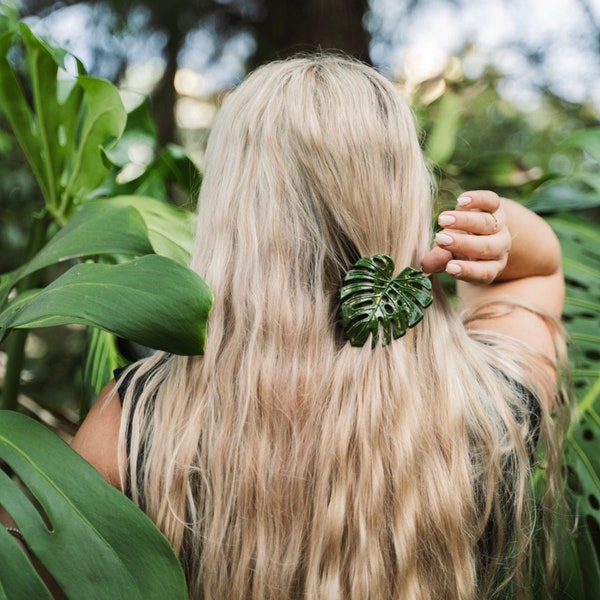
(374, 302)
(151, 300)
(97, 543)
(98, 228)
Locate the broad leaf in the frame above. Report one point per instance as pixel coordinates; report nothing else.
(375, 303)
(151, 300)
(65, 128)
(97, 229)
(93, 541)
(170, 229)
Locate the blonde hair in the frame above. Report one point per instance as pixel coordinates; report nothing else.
(285, 463)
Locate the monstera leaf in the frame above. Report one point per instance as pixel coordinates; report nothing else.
(91, 540)
(374, 302)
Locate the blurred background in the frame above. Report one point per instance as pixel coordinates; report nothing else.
(495, 84)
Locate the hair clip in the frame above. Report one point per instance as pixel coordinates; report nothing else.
(374, 301)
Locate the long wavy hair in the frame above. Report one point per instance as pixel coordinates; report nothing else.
(285, 463)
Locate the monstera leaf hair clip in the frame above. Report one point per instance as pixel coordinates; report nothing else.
(375, 303)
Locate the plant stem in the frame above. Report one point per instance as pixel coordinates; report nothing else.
(15, 346)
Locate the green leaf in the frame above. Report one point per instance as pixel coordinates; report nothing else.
(373, 301)
(102, 359)
(170, 229)
(19, 114)
(442, 139)
(103, 121)
(66, 127)
(587, 140)
(563, 195)
(98, 228)
(96, 544)
(139, 168)
(153, 301)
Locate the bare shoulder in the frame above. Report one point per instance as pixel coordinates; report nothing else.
(533, 298)
(544, 293)
(98, 437)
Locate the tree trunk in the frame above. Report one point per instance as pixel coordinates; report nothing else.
(309, 25)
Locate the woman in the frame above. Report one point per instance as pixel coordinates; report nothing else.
(287, 462)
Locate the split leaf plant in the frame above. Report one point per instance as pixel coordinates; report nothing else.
(123, 256)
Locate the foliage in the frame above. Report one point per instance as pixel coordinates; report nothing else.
(91, 539)
(67, 126)
(103, 207)
(128, 279)
(560, 178)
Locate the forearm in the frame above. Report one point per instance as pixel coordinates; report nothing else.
(533, 270)
(535, 250)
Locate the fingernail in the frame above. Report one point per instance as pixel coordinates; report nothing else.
(453, 269)
(443, 239)
(464, 200)
(445, 220)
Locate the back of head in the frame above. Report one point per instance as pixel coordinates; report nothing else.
(284, 462)
(317, 155)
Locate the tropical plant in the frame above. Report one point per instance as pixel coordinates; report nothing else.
(69, 134)
(77, 138)
(579, 554)
(91, 540)
(126, 276)
(565, 189)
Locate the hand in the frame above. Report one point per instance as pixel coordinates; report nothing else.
(475, 242)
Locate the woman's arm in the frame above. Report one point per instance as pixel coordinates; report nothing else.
(497, 248)
(98, 437)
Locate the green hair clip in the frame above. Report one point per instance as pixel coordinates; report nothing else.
(374, 301)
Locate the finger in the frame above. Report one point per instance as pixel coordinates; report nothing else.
(477, 272)
(479, 223)
(435, 260)
(484, 200)
(478, 247)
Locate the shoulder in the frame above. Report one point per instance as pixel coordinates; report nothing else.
(97, 440)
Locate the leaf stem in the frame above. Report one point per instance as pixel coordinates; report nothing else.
(15, 346)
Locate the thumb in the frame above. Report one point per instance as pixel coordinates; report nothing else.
(435, 260)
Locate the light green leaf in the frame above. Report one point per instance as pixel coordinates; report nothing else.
(97, 543)
(151, 300)
(104, 119)
(442, 139)
(67, 125)
(102, 359)
(170, 229)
